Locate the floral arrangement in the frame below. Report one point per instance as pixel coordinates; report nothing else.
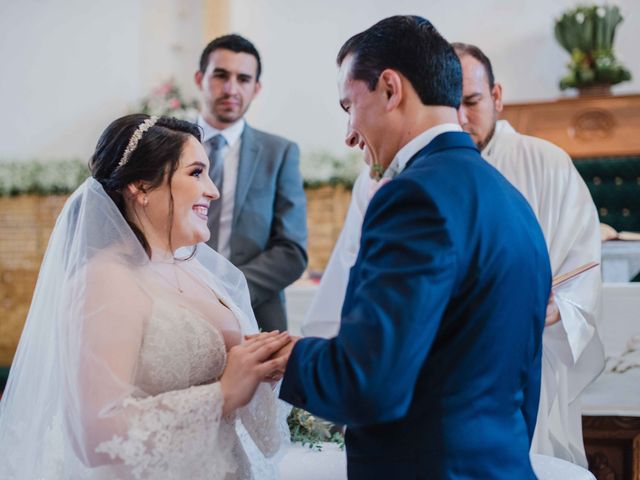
(587, 33)
(628, 360)
(41, 177)
(64, 176)
(312, 431)
(167, 100)
(322, 168)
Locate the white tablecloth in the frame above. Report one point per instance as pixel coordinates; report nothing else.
(613, 394)
(620, 260)
(549, 468)
(617, 394)
(301, 463)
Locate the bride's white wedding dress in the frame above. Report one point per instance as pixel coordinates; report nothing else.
(116, 375)
(166, 423)
(178, 431)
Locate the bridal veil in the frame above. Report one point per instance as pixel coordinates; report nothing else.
(72, 375)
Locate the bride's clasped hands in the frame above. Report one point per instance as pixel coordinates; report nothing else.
(248, 364)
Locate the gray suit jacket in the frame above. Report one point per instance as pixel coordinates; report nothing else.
(269, 229)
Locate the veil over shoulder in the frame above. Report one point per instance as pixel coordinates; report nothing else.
(112, 379)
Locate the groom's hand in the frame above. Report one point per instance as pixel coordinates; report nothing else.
(285, 351)
(281, 355)
(248, 364)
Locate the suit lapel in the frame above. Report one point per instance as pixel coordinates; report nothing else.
(247, 164)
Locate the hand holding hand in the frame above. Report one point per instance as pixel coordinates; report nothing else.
(553, 314)
(283, 355)
(248, 364)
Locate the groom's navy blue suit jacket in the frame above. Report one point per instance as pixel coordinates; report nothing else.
(436, 367)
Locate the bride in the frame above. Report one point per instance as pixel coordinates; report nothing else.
(133, 362)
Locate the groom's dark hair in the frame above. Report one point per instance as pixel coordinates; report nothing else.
(413, 47)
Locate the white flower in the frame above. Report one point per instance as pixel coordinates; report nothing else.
(44, 177)
(634, 342)
(323, 167)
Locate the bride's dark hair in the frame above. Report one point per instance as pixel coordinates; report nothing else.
(156, 155)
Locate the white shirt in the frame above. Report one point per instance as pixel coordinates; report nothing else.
(231, 156)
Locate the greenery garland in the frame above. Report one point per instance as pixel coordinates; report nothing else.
(41, 177)
(323, 168)
(57, 177)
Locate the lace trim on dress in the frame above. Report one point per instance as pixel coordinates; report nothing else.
(173, 436)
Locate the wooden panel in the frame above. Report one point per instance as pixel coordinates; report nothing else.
(613, 447)
(582, 126)
(326, 210)
(26, 223)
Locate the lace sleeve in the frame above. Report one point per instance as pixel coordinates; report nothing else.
(172, 435)
(113, 423)
(263, 432)
(262, 418)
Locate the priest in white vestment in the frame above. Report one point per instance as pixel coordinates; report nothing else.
(572, 351)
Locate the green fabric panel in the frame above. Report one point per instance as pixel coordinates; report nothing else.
(614, 183)
(4, 375)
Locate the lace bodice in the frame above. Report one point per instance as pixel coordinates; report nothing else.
(179, 349)
(177, 430)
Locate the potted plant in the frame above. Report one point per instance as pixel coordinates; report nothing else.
(587, 33)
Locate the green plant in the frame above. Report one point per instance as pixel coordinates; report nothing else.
(587, 33)
(312, 431)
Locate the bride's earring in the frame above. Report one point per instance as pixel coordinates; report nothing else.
(145, 201)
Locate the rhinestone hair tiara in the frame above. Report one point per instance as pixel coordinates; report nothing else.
(135, 138)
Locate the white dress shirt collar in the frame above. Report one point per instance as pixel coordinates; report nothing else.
(414, 146)
(231, 134)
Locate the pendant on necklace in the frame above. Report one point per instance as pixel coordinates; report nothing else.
(178, 286)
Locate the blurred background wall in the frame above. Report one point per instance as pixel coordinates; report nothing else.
(68, 67)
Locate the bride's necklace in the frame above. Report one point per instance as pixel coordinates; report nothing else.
(174, 269)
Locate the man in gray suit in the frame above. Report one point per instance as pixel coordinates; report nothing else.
(259, 223)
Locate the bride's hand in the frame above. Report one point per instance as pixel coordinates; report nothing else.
(247, 365)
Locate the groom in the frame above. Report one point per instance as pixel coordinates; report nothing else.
(436, 367)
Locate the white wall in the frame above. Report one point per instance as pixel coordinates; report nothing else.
(68, 67)
(299, 42)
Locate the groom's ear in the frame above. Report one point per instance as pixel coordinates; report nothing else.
(392, 88)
